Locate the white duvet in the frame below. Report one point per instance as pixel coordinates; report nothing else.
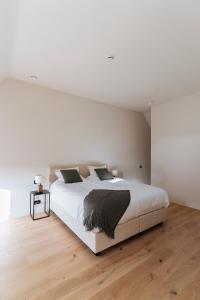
(144, 198)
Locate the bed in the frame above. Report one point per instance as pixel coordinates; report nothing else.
(147, 208)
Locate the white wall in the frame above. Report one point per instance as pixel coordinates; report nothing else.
(7, 25)
(176, 149)
(39, 127)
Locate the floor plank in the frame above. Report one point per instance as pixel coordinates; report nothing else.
(44, 260)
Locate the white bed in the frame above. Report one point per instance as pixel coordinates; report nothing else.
(144, 198)
(148, 207)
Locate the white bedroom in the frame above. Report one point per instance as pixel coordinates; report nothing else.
(99, 155)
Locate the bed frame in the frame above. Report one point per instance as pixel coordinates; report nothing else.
(98, 242)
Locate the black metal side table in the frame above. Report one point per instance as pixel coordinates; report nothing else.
(35, 199)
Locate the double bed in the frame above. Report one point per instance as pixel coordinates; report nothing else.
(147, 208)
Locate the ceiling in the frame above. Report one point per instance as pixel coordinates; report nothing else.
(65, 43)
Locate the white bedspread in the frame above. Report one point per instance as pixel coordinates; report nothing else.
(144, 198)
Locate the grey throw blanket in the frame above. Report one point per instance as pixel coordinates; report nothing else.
(104, 208)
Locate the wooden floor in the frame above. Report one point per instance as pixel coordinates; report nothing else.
(44, 260)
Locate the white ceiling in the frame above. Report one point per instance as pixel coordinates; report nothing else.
(65, 43)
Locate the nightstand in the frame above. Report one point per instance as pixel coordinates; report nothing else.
(37, 198)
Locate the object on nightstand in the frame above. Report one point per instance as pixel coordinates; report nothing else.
(39, 180)
(115, 173)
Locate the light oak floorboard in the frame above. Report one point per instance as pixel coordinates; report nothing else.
(44, 260)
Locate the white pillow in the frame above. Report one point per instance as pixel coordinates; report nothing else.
(59, 175)
(93, 172)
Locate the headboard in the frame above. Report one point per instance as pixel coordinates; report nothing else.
(83, 169)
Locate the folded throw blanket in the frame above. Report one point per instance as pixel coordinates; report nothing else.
(104, 208)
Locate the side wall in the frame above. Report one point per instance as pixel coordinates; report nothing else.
(40, 127)
(175, 149)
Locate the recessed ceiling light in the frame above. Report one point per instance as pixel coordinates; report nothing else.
(33, 77)
(110, 57)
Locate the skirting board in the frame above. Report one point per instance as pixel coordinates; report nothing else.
(98, 242)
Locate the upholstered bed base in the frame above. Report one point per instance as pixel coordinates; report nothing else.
(98, 242)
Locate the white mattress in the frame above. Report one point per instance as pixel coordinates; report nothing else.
(144, 198)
